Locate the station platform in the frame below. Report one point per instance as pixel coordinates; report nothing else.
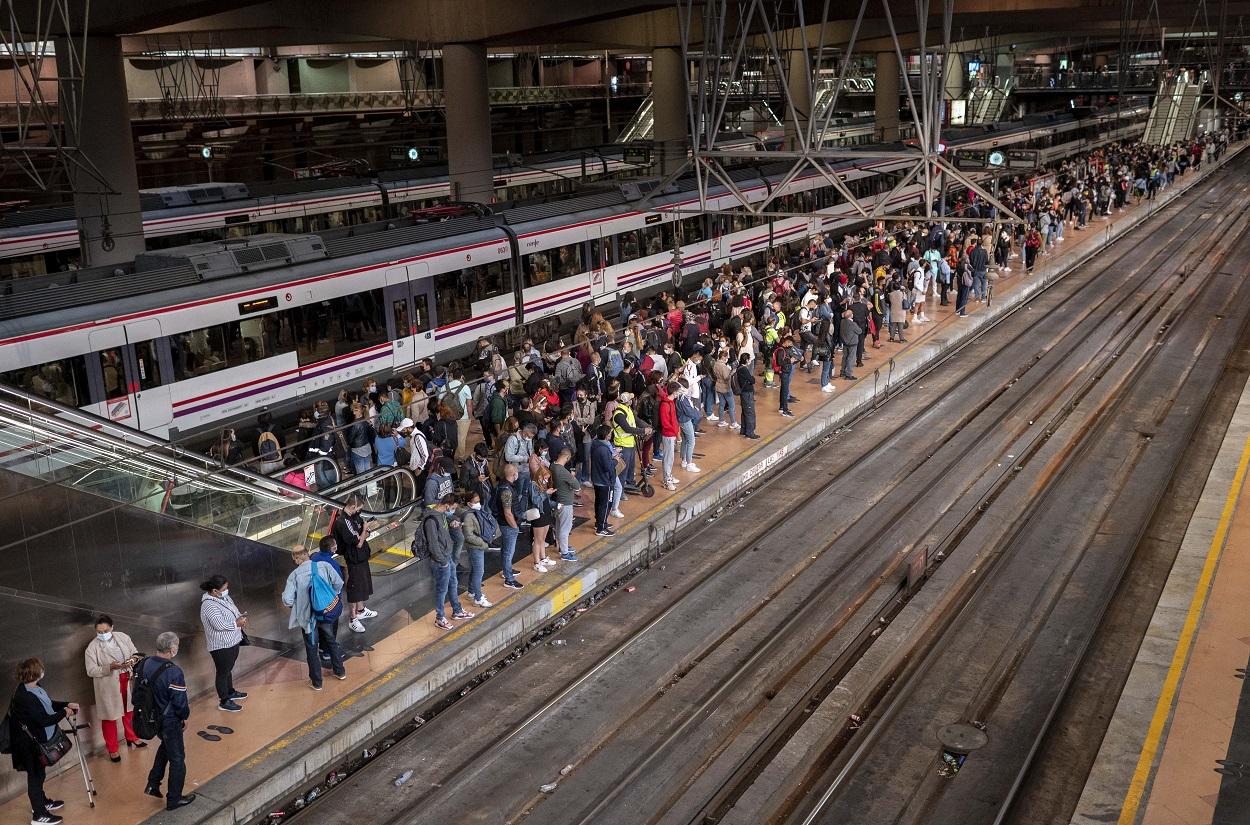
(289, 737)
(1177, 750)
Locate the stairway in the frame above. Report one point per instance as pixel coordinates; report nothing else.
(1174, 114)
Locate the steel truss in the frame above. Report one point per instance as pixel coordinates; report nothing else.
(40, 147)
(718, 37)
(188, 73)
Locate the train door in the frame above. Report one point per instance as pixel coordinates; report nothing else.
(423, 317)
(147, 377)
(108, 348)
(403, 345)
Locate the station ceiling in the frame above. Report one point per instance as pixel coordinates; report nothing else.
(611, 24)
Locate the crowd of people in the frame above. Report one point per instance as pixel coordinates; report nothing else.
(582, 419)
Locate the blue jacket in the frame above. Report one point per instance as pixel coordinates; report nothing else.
(602, 464)
(686, 410)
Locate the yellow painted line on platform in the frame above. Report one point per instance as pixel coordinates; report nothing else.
(569, 593)
(1163, 708)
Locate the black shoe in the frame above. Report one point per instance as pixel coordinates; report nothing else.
(113, 757)
(230, 706)
(513, 585)
(180, 803)
(752, 436)
(154, 790)
(849, 377)
(54, 804)
(236, 695)
(787, 414)
(45, 819)
(792, 400)
(138, 743)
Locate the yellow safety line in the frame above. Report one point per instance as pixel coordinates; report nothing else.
(1163, 708)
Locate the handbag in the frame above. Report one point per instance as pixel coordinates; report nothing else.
(50, 752)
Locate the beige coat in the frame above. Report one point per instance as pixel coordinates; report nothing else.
(108, 692)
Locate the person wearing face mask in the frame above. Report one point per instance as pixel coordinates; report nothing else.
(223, 634)
(169, 686)
(109, 657)
(480, 529)
(323, 444)
(33, 718)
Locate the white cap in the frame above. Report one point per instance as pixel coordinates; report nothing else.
(406, 424)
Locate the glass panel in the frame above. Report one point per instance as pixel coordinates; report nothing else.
(631, 248)
(421, 308)
(63, 381)
(114, 371)
(451, 298)
(149, 370)
(340, 326)
(399, 310)
(537, 269)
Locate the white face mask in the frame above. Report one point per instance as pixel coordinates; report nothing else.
(104, 637)
(225, 593)
(477, 505)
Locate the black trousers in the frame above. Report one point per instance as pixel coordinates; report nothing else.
(35, 774)
(602, 496)
(172, 754)
(224, 660)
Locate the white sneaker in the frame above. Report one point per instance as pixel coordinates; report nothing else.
(723, 424)
(712, 418)
(670, 484)
(690, 468)
(685, 466)
(541, 568)
(367, 614)
(617, 514)
(828, 388)
(735, 426)
(357, 626)
(483, 602)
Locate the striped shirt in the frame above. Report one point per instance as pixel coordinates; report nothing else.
(219, 615)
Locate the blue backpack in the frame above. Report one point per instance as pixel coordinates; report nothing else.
(327, 603)
(487, 525)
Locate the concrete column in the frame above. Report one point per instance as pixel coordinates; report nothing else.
(670, 94)
(110, 224)
(886, 85)
(798, 80)
(469, 162)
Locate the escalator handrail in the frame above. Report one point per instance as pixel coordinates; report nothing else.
(182, 460)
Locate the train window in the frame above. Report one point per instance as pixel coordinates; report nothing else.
(692, 229)
(149, 370)
(63, 381)
(630, 246)
(399, 309)
(421, 312)
(113, 369)
(488, 280)
(552, 264)
(338, 326)
(198, 352)
(653, 239)
(451, 296)
(600, 253)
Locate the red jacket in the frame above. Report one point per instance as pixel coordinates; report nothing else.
(669, 428)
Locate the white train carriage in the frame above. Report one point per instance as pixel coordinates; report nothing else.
(192, 337)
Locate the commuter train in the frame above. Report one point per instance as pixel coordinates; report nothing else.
(188, 338)
(39, 241)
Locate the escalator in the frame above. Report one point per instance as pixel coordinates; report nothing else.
(97, 519)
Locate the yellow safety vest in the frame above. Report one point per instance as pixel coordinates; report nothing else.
(621, 437)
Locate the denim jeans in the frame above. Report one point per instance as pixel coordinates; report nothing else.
(322, 637)
(445, 587)
(670, 447)
(507, 548)
(687, 442)
(583, 469)
(725, 402)
(627, 474)
(708, 395)
(564, 526)
(978, 285)
(826, 375)
(361, 463)
(477, 565)
(618, 491)
(748, 412)
(172, 754)
(786, 375)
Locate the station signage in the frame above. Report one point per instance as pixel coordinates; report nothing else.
(1023, 158)
(970, 159)
(638, 155)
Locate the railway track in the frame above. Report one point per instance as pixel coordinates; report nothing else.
(792, 659)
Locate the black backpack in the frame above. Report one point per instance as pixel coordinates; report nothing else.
(148, 712)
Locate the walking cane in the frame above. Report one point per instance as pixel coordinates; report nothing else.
(88, 782)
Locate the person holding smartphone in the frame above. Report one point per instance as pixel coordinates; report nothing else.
(109, 658)
(223, 633)
(351, 533)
